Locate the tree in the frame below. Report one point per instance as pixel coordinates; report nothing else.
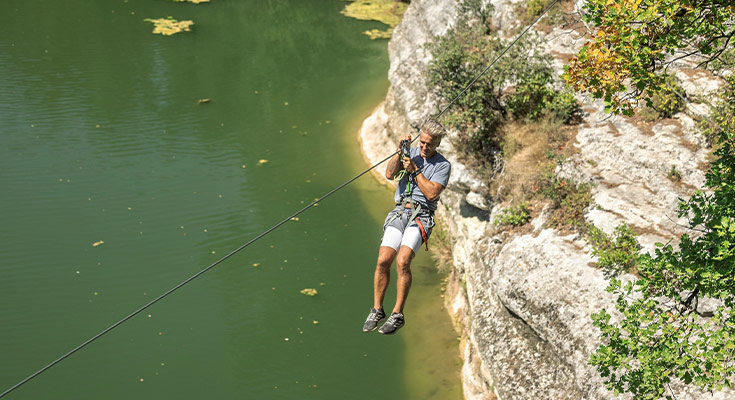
(635, 40)
(662, 332)
(519, 86)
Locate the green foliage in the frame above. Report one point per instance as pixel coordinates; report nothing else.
(464, 52)
(634, 39)
(726, 61)
(441, 248)
(514, 215)
(722, 116)
(617, 252)
(660, 335)
(564, 106)
(457, 58)
(534, 8)
(475, 10)
(534, 98)
(665, 102)
(674, 175)
(569, 200)
(529, 11)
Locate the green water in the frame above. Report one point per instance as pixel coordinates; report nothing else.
(102, 139)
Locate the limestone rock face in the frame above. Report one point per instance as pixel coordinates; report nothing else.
(409, 58)
(523, 302)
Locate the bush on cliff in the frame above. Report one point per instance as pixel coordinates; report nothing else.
(520, 86)
(617, 252)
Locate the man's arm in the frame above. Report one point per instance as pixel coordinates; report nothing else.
(430, 189)
(394, 166)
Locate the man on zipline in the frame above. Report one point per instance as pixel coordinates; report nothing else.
(423, 177)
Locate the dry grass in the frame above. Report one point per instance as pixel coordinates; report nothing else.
(526, 149)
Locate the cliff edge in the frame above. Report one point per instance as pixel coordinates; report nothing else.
(522, 302)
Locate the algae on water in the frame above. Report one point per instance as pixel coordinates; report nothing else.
(169, 26)
(388, 12)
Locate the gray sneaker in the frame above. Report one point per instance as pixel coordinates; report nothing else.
(373, 319)
(394, 323)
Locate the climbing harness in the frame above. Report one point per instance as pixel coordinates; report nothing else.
(274, 227)
(407, 199)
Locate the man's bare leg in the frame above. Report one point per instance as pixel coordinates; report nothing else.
(386, 255)
(403, 266)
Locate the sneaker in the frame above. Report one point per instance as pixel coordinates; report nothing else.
(394, 323)
(373, 319)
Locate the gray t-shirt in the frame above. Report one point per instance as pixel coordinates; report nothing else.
(435, 169)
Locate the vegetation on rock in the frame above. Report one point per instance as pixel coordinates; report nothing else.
(507, 92)
(514, 215)
(722, 116)
(663, 332)
(569, 200)
(633, 40)
(617, 252)
(674, 175)
(665, 102)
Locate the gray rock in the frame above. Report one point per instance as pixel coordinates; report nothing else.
(477, 200)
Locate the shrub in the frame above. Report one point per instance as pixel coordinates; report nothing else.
(619, 251)
(464, 52)
(569, 200)
(726, 61)
(457, 58)
(476, 10)
(674, 175)
(564, 107)
(534, 98)
(441, 248)
(665, 102)
(534, 8)
(532, 92)
(722, 116)
(514, 215)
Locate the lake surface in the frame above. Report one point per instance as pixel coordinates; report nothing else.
(117, 184)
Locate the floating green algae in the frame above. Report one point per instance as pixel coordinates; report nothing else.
(169, 26)
(388, 12)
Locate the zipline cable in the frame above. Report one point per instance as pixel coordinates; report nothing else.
(138, 311)
(269, 230)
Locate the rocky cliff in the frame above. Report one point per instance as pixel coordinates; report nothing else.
(522, 302)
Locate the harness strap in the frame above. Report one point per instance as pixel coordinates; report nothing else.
(416, 210)
(423, 233)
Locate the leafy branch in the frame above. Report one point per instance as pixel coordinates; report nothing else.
(633, 40)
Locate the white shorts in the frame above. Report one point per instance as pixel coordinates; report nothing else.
(394, 238)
